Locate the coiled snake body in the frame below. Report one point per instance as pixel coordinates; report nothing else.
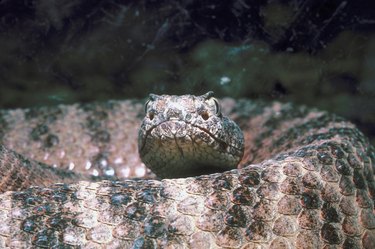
(305, 180)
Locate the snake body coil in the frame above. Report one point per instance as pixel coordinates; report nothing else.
(306, 180)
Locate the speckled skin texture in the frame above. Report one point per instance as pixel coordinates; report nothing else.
(306, 181)
(98, 139)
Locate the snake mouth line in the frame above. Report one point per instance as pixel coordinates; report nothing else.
(221, 142)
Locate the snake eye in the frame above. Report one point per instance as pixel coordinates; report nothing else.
(151, 97)
(217, 107)
(146, 105)
(149, 113)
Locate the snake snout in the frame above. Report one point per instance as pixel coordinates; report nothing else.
(173, 129)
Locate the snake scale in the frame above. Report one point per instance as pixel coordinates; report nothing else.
(306, 180)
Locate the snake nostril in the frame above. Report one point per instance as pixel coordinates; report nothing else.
(151, 115)
(205, 115)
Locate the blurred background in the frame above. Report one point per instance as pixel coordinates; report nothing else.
(320, 53)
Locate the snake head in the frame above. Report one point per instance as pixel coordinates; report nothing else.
(187, 135)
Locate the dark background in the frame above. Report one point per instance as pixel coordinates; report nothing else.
(317, 53)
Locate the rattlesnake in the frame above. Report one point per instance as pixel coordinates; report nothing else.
(305, 180)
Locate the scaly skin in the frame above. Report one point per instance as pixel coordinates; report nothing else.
(306, 181)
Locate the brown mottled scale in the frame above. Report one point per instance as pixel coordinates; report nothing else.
(306, 181)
